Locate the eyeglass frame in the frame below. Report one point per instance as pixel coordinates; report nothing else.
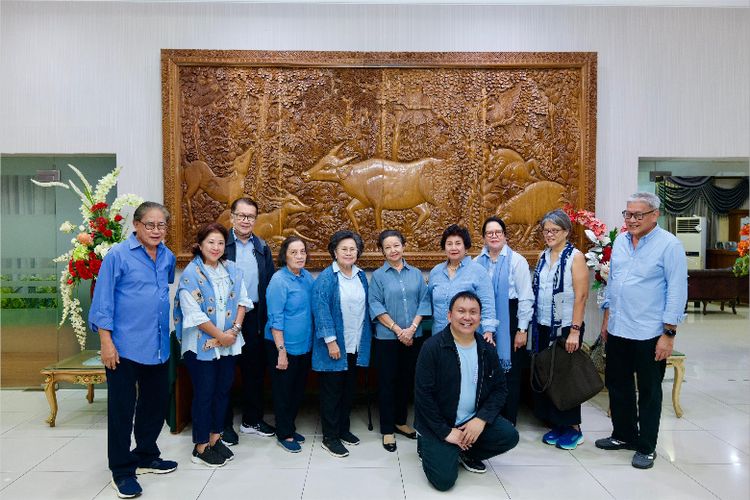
(637, 215)
(554, 231)
(161, 226)
(497, 232)
(245, 217)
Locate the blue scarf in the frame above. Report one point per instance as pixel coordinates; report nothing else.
(501, 286)
(194, 279)
(558, 285)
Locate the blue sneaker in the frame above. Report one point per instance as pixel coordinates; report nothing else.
(553, 435)
(290, 446)
(127, 487)
(570, 440)
(298, 437)
(157, 466)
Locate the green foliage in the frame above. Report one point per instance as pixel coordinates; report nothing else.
(9, 301)
(741, 266)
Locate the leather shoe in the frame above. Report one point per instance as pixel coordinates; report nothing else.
(410, 435)
(390, 447)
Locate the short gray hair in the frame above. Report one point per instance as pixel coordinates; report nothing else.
(649, 199)
(558, 218)
(147, 206)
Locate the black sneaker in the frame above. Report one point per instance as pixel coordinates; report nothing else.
(349, 438)
(210, 458)
(472, 464)
(335, 448)
(610, 443)
(643, 460)
(157, 466)
(222, 450)
(260, 429)
(229, 436)
(127, 487)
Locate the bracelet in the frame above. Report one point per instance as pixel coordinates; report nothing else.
(392, 325)
(280, 348)
(575, 327)
(237, 327)
(415, 325)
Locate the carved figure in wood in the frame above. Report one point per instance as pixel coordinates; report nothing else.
(380, 184)
(528, 206)
(270, 225)
(199, 177)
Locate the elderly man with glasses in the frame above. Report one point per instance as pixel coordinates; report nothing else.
(130, 311)
(645, 301)
(254, 257)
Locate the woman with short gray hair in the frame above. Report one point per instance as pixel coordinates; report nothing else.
(561, 286)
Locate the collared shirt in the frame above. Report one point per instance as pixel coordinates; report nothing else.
(193, 315)
(131, 300)
(565, 301)
(519, 283)
(469, 276)
(647, 285)
(289, 299)
(400, 294)
(353, 303)
(245, 259)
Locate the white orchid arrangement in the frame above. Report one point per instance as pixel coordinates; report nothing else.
(103, 227)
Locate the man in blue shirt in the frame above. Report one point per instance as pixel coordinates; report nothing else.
(645, 301)
(254, 257)
(459, 392)
(130, 311)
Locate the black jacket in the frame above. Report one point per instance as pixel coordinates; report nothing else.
(438, 385)
(265, 271)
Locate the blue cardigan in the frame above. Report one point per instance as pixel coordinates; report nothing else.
(326, 304)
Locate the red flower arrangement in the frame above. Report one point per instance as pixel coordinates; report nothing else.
(91, 247)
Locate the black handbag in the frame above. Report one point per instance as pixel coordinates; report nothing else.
(568, 379)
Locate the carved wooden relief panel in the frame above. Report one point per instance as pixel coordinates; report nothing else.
(415, 141)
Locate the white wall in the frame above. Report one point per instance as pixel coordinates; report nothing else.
(84, 77)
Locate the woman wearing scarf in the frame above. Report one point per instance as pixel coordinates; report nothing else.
(560, 285)
(514, 301)
(209, 309)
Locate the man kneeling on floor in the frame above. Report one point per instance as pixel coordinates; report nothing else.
(459, 392)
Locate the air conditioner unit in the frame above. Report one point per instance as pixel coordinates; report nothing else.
(691, 231)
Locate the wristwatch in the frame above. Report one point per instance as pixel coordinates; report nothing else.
(669, 332)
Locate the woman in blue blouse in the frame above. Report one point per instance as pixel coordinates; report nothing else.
(343, 334)
(289, 338)
(561, 287)
(457, 274)
(211, 296)
(398, 301)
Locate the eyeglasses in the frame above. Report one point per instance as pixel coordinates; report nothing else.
(161, 226)
(245, 217)
(494, 233)
(638, 215)
(553, 232)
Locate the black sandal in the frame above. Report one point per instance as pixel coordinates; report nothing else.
(390, 447)
(410, 435)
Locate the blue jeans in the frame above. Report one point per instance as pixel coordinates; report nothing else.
(440, 458)
(212, 381)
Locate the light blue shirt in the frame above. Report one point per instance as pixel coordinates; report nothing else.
(467, 399)
(647, 285)
(401, 294)
(469, 276)
(353, 304)
(245, 259)
(289, 300)
(131, 300)
(566, 300)
(519, 284)
(193, 315)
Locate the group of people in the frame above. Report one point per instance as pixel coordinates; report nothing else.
(489, 314)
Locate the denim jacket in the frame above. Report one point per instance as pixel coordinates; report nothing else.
(329, 322)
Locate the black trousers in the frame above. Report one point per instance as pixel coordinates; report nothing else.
(637, 425)
(440, 458)
(141, 389)
(336, 398)
(212, 381)
(288, 388)
(252, 363)
(543, 407)
(395, 363)
(519, 360)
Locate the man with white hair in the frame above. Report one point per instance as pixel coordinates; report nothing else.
(645, 301)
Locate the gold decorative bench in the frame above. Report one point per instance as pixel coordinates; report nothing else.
(81, 369)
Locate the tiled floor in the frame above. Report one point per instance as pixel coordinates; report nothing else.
(704, 454)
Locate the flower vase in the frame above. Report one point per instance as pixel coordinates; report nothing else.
(600, 295)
